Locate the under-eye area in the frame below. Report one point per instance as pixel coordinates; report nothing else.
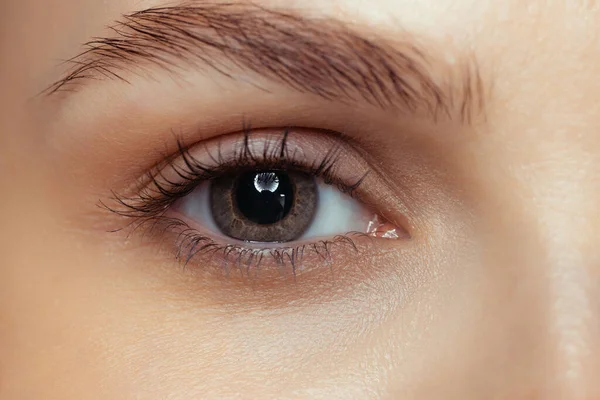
(284, 200)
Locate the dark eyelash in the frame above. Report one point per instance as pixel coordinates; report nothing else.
(190, 244)
(157, 194)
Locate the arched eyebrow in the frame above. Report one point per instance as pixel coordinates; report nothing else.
(319, 56)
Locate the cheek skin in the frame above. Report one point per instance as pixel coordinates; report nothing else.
(162, 332)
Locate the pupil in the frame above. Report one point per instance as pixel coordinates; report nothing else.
(264, 197)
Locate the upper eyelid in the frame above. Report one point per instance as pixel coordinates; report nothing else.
(319, 57)
(289, 145)
(321, 153)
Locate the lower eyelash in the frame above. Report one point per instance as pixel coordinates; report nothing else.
(191, 245)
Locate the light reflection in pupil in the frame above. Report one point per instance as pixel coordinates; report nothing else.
(266, 181)
(264, 197)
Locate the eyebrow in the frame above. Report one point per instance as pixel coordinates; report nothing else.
(319, 56)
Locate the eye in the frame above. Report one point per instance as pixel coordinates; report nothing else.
(275, 206)
(263, 198)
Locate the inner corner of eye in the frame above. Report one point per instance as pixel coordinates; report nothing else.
(278, 206)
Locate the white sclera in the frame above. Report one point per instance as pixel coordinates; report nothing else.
(196, 206)
(336, 213)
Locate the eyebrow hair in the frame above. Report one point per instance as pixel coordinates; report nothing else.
(319, 56)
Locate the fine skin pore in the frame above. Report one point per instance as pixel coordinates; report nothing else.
(470, 126)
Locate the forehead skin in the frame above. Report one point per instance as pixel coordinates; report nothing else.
(516, 317)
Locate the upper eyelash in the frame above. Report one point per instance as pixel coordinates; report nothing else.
(160, 192)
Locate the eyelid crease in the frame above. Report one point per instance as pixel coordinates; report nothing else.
(324, 57)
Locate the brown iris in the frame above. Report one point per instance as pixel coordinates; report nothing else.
(264, 205)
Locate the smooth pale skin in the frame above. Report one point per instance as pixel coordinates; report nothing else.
(502, 302)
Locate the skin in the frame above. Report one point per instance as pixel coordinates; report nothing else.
(497, 295)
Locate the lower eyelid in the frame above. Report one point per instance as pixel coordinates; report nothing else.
(264, 262)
